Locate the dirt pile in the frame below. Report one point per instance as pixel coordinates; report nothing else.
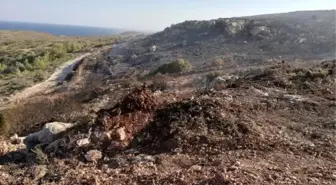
(201, 125)
(130, 115)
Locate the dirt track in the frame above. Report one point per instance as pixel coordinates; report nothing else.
(57, 77)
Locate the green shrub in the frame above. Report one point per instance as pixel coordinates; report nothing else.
(177, 66)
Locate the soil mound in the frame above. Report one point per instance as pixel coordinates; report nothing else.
(129, 115)
(194, 125)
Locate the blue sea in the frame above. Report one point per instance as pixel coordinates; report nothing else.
(54, 29)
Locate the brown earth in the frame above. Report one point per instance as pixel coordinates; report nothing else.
(270, 126)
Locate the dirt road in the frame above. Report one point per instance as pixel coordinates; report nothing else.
(58, 76)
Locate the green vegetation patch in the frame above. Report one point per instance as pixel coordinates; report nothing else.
(32, 56)
(177, 66)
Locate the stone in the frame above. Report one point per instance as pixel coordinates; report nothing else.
(233, 168)
(15, 139)
(47, 134)
(258, 30)
(40, 171)
(196, 168)
(83, 142)
(121, 134)
(93, 155)
(149, 158)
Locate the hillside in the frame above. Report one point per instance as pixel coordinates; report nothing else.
(209, 105)
(246, 40)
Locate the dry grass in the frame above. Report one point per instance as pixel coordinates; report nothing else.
(29, 116)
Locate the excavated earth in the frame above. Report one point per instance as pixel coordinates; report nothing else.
(272, 126)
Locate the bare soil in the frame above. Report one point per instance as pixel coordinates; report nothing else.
(266, 127)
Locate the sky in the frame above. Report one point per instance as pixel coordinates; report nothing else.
(145, 15)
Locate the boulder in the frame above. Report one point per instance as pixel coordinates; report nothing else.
(47, 134)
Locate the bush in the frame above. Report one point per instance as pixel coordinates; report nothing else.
(177, 66)
(218, 62)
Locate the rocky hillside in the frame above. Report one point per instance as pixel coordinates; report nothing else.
(268, 126)
(306, 34)
(116, 121)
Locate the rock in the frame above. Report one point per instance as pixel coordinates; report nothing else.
(318, 175)
(152, 48)
(83, 142)
(258, 30)
(15, 139)
(100, 136)
(149, 158)
(196, 168)
(233, 168)
(47, 134)
(230, 26)
(93, 155)
(118, 162)
(237, 163)
(121, 134)
(301, 40)
(134, 56)
(259, 92)
(136, 159)
(294, 98)
(143, 158)
(131, 151)
(40, 171)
